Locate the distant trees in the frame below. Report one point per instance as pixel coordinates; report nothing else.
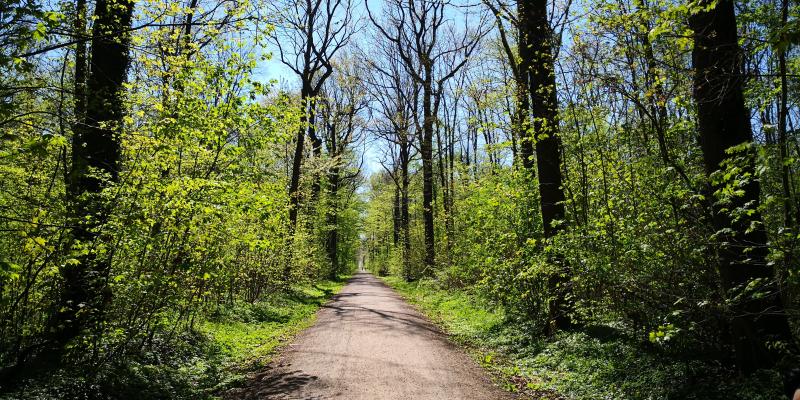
(431, 53)
(341, 104)
(309, 34)
(395, 97)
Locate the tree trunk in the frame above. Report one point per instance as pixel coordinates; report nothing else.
(396, 215)
(80, 65)
(426, 151)
(405, 232)
(297, 162)
(526, 41)
(446, 199)
(544, 110)
(404, 221)
(316, 148)
(723, 122)
(95, 148)
(333, 221)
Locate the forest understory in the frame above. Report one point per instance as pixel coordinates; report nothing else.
(595, 362)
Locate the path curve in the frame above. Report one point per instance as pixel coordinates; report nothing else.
(368, 343)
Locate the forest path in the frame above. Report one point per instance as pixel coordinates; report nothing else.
(368, 343)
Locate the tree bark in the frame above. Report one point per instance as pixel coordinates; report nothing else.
(316, 149)
(446, 197)
(405, 160)
(297, 162)
(396, 214)
(544, 111)
(724, 122)
(95, 149)
(526, 43)
(80, 65)
(426, 152)
(404, 221)
(333, 221)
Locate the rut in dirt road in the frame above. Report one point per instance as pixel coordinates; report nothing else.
(370, 344)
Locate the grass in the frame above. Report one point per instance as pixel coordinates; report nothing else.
(598, 362)
(249, 334)
(196, 364)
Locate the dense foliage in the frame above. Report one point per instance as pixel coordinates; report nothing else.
(617, 166)
(195, 224)
(639, 247)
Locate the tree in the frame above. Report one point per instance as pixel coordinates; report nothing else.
(537, 65)
(425, 42)
(310, 33)
(519, 65)
(758, 320)
(95, 165)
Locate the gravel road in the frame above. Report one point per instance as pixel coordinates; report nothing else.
(370, 344)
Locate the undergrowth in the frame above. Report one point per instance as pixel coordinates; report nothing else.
(199, 363)
(597, 362)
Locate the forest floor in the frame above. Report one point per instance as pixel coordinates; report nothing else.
(599, 361)
(368, 343)
(199, 364)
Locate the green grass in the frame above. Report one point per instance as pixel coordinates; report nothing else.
(598, 362)
(197, 363)
(464, 316)
(248, 334)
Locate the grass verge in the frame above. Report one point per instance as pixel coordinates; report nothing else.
(598, 362)
(248, 334)
(199, 363)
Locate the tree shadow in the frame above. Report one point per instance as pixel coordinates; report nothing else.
(273, 384)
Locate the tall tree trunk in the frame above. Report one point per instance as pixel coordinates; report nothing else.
(333, 221)
(316, 148)
(396, 214)
(405, 232)
(544, 110)
(80, 65)
(426, 151)
(446, 201)
(95, 148)
(526, 43)
(724, 122)
(405, 224)
(297, 162)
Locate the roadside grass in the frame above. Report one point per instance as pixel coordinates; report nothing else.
(598, 362)
(248, 334)
(200, 363)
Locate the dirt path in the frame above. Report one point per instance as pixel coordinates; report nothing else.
(369, 344)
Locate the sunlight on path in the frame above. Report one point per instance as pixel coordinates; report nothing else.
(369, 344)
